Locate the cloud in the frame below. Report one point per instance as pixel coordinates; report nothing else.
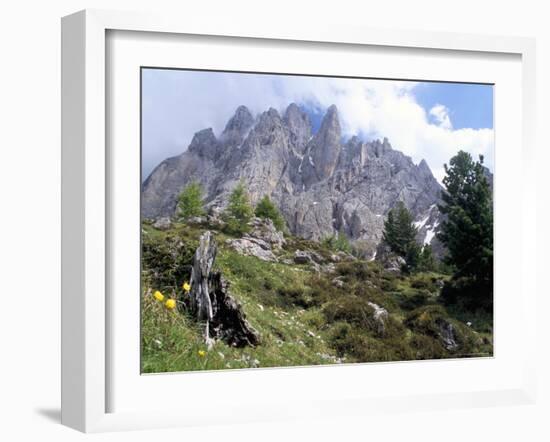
(440, 113)
(176, 104)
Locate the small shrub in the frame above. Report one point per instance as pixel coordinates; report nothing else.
(376, 296)
(352, 310)
(356, 269)
(296, 296)
(376, 268)
(321, 290)
(351, 341)
(429, 320)
(426, 319)
(386, 350)
(166, 259)
(389, 283)
(412, 299)
(337, 243)
(314, 318)
(422, 282)
(346, 340)
(393, 329)
(426, 347)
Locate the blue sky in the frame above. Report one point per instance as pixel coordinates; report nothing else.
(471, 105)
(425, 120)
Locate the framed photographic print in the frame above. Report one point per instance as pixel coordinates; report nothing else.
(295, 222)
(299, 235)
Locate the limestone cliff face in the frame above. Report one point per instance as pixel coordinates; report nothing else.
(323, 150)
(321, 183)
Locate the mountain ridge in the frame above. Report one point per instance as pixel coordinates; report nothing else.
(322, 184)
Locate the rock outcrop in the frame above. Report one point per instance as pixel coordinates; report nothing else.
(265, 230)
(389, 260)
(322, 184)
(252, 247)
(162, 223)
(380, 316)
(261, 241)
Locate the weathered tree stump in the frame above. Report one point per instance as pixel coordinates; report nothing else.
(211, 302)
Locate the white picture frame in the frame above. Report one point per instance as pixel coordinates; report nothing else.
(85, 218)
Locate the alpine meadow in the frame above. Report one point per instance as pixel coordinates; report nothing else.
(284, 228)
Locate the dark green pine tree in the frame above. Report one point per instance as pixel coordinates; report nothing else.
(400, 234)
(468, 231)
(266, 209)
(390, 231)
(426, 260)
(399, 230)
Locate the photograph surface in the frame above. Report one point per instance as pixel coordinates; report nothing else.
(300, 220)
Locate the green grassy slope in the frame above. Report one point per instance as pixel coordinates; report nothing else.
(302, 316)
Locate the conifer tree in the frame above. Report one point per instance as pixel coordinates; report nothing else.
(239, 211)
(426, 260)
(266, 209)
(468, 231)
(190, 202)
(400, 234)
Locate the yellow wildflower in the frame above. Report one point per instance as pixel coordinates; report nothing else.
(202, 353)
(158, 296)
(186, 286)
(170, 304)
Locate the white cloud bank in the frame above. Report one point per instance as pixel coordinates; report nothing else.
(180, 103)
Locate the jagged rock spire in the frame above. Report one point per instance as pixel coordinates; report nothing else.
(205, 144)
(299, 126)
(326, 144)
(240, 122)
(237, 127)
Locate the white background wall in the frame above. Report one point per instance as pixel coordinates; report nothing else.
(30, 217)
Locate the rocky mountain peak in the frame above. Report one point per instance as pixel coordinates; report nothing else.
(205, 144)
(238, 125)
(380, 148)
(353, 154)
(299, 126)
(268, 128)
(322, 184)
(330, 123)
(293, 113)
(325, 147)
(269, 118)
(424, 168)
